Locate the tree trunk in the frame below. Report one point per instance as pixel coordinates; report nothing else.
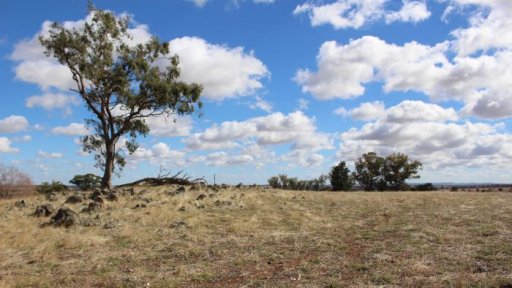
(106, 182)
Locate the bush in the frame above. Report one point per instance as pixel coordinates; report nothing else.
(55, 186)
(86, 182)
(12, 179)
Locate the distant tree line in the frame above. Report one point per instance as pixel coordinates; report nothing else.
(282, 181)
(371, 172)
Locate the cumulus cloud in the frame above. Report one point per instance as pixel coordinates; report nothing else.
(276, 128)
(481, 82)
(50, 101)
(169, 126)
(159, 153)
(5, 146)
(222, 158)
(224, 72)
(411, 11)
(431, 134)
(366, 111)
(342, 14)
(13, 123)
(73, 129)
(47, 155)
(492, 30)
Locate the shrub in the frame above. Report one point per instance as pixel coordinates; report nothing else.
(12, 179)
(86, 182)
(55, 186)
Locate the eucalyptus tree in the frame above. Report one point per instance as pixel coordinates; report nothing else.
(119, 82)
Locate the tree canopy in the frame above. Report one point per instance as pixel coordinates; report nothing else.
(373, 172)
(340, 177)
(119, 82)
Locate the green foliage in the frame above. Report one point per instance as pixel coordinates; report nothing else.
(340, 177)
(284, 182)
(86, 181)
(425, 187)
(378, 173)
(397, 169)
(368, 172)
(120, 83)
(55, 186)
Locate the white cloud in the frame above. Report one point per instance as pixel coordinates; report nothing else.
(342, 14)
(276, 128)
(24, 138)
(47, 155)
(224, 72)
(199, 3)
(417, 111)
(368, 111)
(72, 129)
(481, 82)
(222, 158)
(5, 146)
(50, 101)
(303, 104)
(13, 123)
(344, 69)
(164, 126)
(411, 11)
(261, 104)
(159, 153)
(304, 158)
(426, 132)
(491, 30)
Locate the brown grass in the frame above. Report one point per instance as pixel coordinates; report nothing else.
(267, 239)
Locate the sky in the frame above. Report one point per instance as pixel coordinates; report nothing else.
(289, 87)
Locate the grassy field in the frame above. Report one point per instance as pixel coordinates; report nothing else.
(265, 238)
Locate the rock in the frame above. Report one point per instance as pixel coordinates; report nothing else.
(140, 205)
(200, 206)
(92, 207)
(21, 203)
(98, 199)
(109, 225)
(64, 217)
(219, 203)
(112, 196)
(195, 187)
(52, 197)
(130, 191)
(178, 224)
(201, 197)
(75, 198)
(44, 210)
(87, 223)
(96, 193)
(178, 191)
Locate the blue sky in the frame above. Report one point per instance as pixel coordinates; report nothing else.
(289, 87)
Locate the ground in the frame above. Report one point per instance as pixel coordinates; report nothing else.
(251, 237)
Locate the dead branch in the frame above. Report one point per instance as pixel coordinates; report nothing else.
(163, 179)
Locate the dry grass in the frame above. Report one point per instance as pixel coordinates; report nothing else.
(267, 239)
